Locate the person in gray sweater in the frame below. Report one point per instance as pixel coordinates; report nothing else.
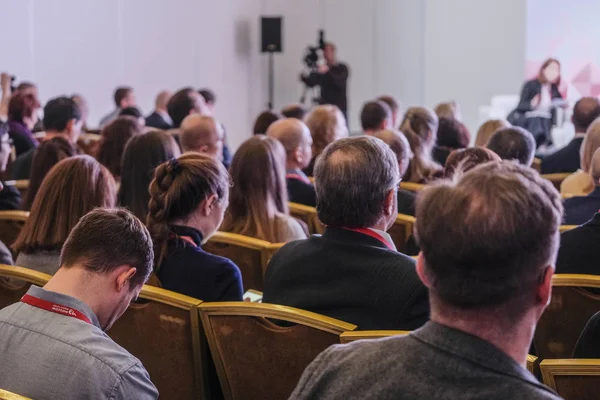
(488, 266)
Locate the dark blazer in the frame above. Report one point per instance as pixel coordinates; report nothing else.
(10, 198)
(580, 209)
(21, 167)
(22, 137)
(189, 270)
(564, 160)
(300, 191)
(588, 345)
(440, 154)
(406, 202)
(529, 90)
(310, 170)
(333, 85)
(349, 276)
(579, 251)
(155, 120)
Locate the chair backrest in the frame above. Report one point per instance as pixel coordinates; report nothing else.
(411, 187)
(572, 379)
(251, 255)
(89, 142)
(533, 365)
(163, 330)
(256, 359)
(11, 223)
(555, 179)
(6, 395)
(352, 336)
(309, 216)
(564, 228)
(402, 230)
(571, 307)
(15, 282)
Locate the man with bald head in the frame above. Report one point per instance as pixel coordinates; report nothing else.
(297, 141)
(202, 134)
(160, 117)
(567, 159)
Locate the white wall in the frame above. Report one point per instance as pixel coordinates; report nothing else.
(422, 51)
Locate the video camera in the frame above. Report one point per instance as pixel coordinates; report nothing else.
(311, 57)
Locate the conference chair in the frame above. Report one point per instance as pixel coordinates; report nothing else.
(411, 187)
(88, 143)
(163, 330)
(251, 255)
(555, 179)
(257, 359)
(574, 379)
(15, 282)
(533, 365)
(402, 230)
(570, 308)
(6, 395)
(308, 215)
(564, 228)
(21, 185)
(11, 223)
(353, 336)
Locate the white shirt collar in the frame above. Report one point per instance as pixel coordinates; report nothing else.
(386, 236)
(579, 135)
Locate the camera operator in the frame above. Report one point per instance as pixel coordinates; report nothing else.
(332, 77)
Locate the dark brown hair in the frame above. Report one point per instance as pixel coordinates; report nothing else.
(373, 114)
(540, 75)
(47, 155)
(466, 159)
(105, 239)
(74, 187)
(263, 121)
(21, 106)
(121, 94)
(294, 111)
(114, 137)
(452, 134)
(259, 189)
(181, 103)
(496, 229)
(178, 188)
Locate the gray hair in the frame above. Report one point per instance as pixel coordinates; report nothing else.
(353, 177)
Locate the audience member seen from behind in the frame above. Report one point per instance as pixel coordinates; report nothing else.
(258, 205)
(375, 116)
(210, 98)
(10, 197)
(84, 109)
(353, 271)
(394, 105)
(202, 134)
(580, 183)
(46, 156)
(486, 298)
(464, 160)
(513, 144)
(185, 102)
(72, 188)
(159, 118)
(487, 130)
(188, 198)
(326, 124)
(420, 126)
(568, 159)
(61, 351)
(449, 110)
(143, 153)
(294, 111)
(263, 121)
(451, 135)
(297, 142)
(133, 112)
(22, 117)
(123, 97)
(114, 138)
(580, 209)
(62, 118)
(399, 145)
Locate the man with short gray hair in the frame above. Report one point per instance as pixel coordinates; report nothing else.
(353, 271)
(514, 143)
(489, 240)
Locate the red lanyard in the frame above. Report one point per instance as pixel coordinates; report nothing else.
(55, 308)
(374, 235)
(298, 177)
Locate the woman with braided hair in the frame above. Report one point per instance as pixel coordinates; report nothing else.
(420, 126)
(188, 197)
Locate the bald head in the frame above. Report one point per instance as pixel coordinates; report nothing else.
(585, 111)
(399, 145)
(202, 134)
(296, 139)
(162, 99)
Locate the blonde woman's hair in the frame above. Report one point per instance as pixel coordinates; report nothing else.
(487, 129)
(590, 143)
(447, 110)
(322, 122)
(420, 127)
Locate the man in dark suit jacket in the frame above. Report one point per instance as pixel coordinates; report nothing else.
(486, 298)
(579, 251)
(353, 271)
(159, 118)
(580, 209)
(297, 141)
(567, 159)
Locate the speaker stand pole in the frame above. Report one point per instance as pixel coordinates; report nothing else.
(271, 80)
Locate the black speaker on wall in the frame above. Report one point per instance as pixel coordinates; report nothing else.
(270, 28)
